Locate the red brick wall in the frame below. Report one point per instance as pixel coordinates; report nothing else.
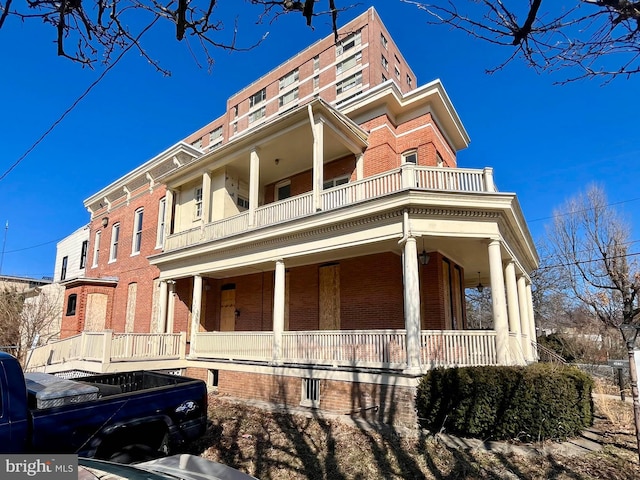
(395, 405)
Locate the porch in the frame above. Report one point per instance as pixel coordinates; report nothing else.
(299, 206)
(341, 350)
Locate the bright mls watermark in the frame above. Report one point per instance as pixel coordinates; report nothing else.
(44, 466)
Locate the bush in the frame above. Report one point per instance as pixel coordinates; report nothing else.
(537, 402)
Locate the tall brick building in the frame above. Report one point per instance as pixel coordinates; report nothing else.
(315, 241)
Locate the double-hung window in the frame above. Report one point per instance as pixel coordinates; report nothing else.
(348, 83)
(83, 253)
(197, 213)
(115, 236)
(162, 208)
(63, 271)
(288, 97)
(137, 232)
(96, 249)
(289, 79)
(258, 97)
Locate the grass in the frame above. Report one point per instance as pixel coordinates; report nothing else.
(282, 446)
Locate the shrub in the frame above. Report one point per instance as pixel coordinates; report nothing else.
(537, 402)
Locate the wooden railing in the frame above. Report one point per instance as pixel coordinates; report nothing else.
(383, 349)
(107, 348)
(407, 177)
(463, 348)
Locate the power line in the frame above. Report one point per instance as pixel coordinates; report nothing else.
(75, 103)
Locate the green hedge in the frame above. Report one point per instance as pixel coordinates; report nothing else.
(538, 402)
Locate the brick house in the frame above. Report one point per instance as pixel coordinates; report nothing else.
(313, 244)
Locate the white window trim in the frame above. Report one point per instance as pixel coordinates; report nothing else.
(278, 186)
(113, 249)
(337, 181)
(310, 392)
(409, 153)
(197, 204)
(162, 208)
(96, 249)
(138, 219)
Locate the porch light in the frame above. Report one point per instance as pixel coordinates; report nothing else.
(479, 287)
(424, 257)
(629, 334)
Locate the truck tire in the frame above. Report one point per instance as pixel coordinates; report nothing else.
(131, 445)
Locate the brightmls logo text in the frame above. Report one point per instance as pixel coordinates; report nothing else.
(50, 467)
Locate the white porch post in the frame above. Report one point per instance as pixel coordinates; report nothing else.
(488, 179)
(412, 304)
(254, 183)
(171, 305)
(524, 318)
(206, 198)
(278, 311)
(500, 323)
(318, 162)
(162, 307)
(514, 313)
(196, 305)
(360, 166)
(532, 323)
(168, 213)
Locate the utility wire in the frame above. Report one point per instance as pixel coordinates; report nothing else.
(75, 103)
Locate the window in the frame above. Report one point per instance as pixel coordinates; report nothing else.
(96, 249)
(383, 40)
(397, 72)
(334, 182)
(71, 304)
(243, 202)
(257, 114)
(197, 143)
(63, 271)
(316, 82)
(137, 231)
(197, 213)
(288, 97)
(316, 63)
(83, 253)
(283, 190)
(289, 79)
(162, 208)
(349, 42)
(397, 59)
(384, 79)
(409, 81)
(115, 234)
(235, 128)
(257, 98)
(385, 63)
(410, 156)
(348, 63)
(439, 161)
(235, 111)
(310, 395)
(349, 83)
(215, 137)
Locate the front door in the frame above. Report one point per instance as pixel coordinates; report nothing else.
(228, 310)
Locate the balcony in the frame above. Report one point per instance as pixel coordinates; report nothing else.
(408, 177)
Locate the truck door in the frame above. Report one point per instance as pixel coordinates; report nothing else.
(13, 417)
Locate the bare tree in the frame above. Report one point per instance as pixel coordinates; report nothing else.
(590, 242)
(99, 30)
(599, 38)
(10, 309)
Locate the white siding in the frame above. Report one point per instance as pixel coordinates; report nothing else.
(71, 247)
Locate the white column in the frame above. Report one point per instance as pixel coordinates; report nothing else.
(196, 305)
(206, 198)
(488, 179)
(412, 304)
(318, 162)
(278, 311)
(171, 305)
(500, 322)
(254, 184)
(524, 318)
(162, 307)
(514, 312)
(360, 166)
(532, 323)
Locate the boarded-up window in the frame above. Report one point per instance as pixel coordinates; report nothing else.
(96, 312)
(329, 276)
(155, 308)
(131, 307)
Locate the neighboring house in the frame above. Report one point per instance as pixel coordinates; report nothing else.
(314, 242)
(20, 284)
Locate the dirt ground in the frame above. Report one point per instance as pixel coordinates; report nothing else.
(280, 446)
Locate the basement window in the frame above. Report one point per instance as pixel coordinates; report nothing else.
(310, 394)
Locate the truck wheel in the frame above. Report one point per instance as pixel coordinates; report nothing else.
(134, 454)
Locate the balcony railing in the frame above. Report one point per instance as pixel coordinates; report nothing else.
(380, 349)
(407, 177)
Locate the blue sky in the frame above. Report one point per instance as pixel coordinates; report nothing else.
(545, 142)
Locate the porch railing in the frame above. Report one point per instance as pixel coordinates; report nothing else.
(407, 177)
(334, 348)
(107, 347)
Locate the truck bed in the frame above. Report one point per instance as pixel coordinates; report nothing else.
(115, 383)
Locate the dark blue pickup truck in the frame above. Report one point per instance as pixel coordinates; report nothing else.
(101, 416)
